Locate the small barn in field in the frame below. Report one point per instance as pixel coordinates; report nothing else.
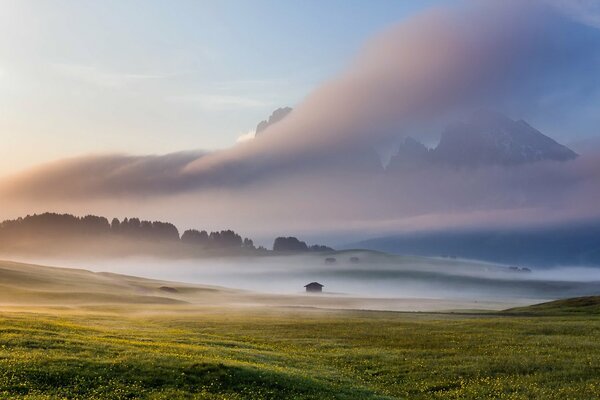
(314, 287)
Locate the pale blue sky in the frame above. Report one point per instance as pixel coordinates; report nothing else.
(79, 77)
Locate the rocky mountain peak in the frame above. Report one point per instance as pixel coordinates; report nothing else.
(275, 117)
(487, 138)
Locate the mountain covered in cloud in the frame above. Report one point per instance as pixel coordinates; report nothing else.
(487, 138)
(316, 168)
(275, 117)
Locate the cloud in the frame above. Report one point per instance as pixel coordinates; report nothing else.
(103, 176)
(317, 167)
(246, 136)
(432, 66)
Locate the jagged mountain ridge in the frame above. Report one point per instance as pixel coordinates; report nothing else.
(487, 138)
(275, 117)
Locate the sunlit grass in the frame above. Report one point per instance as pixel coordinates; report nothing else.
(297, 354)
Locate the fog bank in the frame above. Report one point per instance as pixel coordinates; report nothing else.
(372, 276)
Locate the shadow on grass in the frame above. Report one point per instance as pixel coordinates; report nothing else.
(77, 379)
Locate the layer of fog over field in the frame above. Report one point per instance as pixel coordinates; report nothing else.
(373, 275)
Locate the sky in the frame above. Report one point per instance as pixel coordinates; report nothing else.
(152, 77)
(135, 109)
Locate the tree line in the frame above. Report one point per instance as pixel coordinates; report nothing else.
(53, 225)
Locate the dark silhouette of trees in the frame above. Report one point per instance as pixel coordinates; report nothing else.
(248, 244)
(53, 226)
(261, 250)
(164, 231)
(289, 244)
(195, 237)
(320, 247)
(225, 239)
(92, 224)
(134, 228)
(292, 244)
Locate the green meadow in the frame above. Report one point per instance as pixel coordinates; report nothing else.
(76, 334)
(127, 352)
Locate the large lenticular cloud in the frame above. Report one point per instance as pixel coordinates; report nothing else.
(496, 55)
(501, 54)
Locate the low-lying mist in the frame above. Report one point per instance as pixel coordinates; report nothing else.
(372, 275)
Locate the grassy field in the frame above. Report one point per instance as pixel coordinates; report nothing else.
(75, 334)
(588, 305)
(213, 353)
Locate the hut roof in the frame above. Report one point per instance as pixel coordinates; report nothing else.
(314, 284)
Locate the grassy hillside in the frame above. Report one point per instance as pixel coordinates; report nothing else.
(589, 305)
(26, 284)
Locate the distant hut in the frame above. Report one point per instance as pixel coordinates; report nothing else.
(330, 260)
(354, 260)
(314, 287)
